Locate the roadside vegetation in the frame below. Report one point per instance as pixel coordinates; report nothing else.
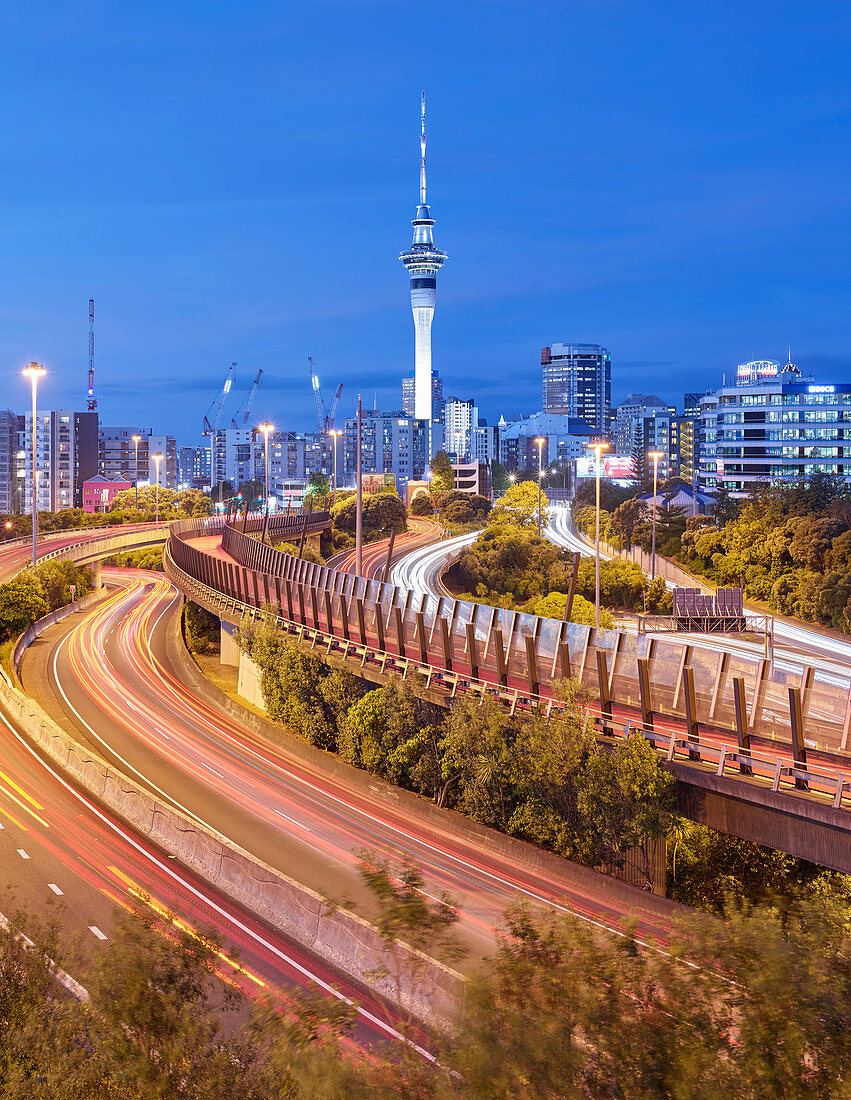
(37, 591)
(542, 780)
(754, 1007)
(510, 566)
(788, 545)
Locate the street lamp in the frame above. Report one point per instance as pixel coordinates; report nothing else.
(335, 434)
(598, 449)
(137, 439)
(157, 460)
(655, 455)
(34, 371)
(265, 428)
(540, 441)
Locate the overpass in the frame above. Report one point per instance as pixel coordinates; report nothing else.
(736, 746)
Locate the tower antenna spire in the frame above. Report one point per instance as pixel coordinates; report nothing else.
(422, 151)
(91, 400)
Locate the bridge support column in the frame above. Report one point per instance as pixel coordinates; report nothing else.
(96, 577)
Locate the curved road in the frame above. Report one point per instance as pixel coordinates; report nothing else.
(114, 680)
(71, 851)
(421, 531)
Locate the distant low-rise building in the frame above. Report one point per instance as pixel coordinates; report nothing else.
(99, 492)
(566, 439)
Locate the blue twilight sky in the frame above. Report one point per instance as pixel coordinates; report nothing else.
(233, 181)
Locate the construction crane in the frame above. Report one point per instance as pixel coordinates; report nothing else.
(324, 416)
(91, 400)
(218, 403)
(251, 397)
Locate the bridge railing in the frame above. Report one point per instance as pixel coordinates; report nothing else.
(343, 635)
(684, 681)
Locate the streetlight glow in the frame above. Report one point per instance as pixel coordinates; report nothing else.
(157, 460)
(598, 449)
(34, 371)
(265, 428)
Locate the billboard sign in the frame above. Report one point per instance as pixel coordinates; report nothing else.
(612, 467)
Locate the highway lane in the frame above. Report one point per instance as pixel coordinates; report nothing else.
(60, 848)
(419, 570)
(15, 554)
(796, 645)
(113, 679)
(421, 531)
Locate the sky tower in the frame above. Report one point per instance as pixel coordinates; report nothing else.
(423, 262)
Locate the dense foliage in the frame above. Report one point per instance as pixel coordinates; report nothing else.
(539, 779)
(35, 592)
(382, 514)
(20, 526)
(173, 504)
(756, 1008)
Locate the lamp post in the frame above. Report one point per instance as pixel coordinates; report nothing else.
(335, 434)
(157, 460)
(655, 455)
(34, 371)
(136, 440)
(359, 497)
(598, 450)
(540, 441)
(265, 428)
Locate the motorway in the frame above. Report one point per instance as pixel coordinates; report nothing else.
(795, 644)
(420, 532)
(113, 680)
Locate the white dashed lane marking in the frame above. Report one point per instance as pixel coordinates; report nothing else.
(93, 928)
(55, 888)
(23, 854)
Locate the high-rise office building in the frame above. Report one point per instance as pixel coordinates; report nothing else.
(635, 408)
(66, 456)
(11, 441)
(773, 425)
(578, 383)
(460, 420)
(390, 443)
(193, 467)
(423, 261)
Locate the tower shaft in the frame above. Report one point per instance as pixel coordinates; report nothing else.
(423, 261)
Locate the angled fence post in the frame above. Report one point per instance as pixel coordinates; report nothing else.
(740, 703)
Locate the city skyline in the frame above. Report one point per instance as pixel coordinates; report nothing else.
(213, 233)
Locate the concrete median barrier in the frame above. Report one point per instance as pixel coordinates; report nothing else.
(340, 937)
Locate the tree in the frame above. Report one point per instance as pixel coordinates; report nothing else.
(254, 492)
(626, 517)
(625, 799)
(318, 485)
(478, 754)
(518, 506)
(499, 477)
(465, 508)
(22, 602)
(442, 473)
(422, 505)
(382, 513)
(55, 578)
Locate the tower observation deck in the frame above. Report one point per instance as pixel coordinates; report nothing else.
(423, 261)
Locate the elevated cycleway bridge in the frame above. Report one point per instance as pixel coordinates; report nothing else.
(734, 760)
